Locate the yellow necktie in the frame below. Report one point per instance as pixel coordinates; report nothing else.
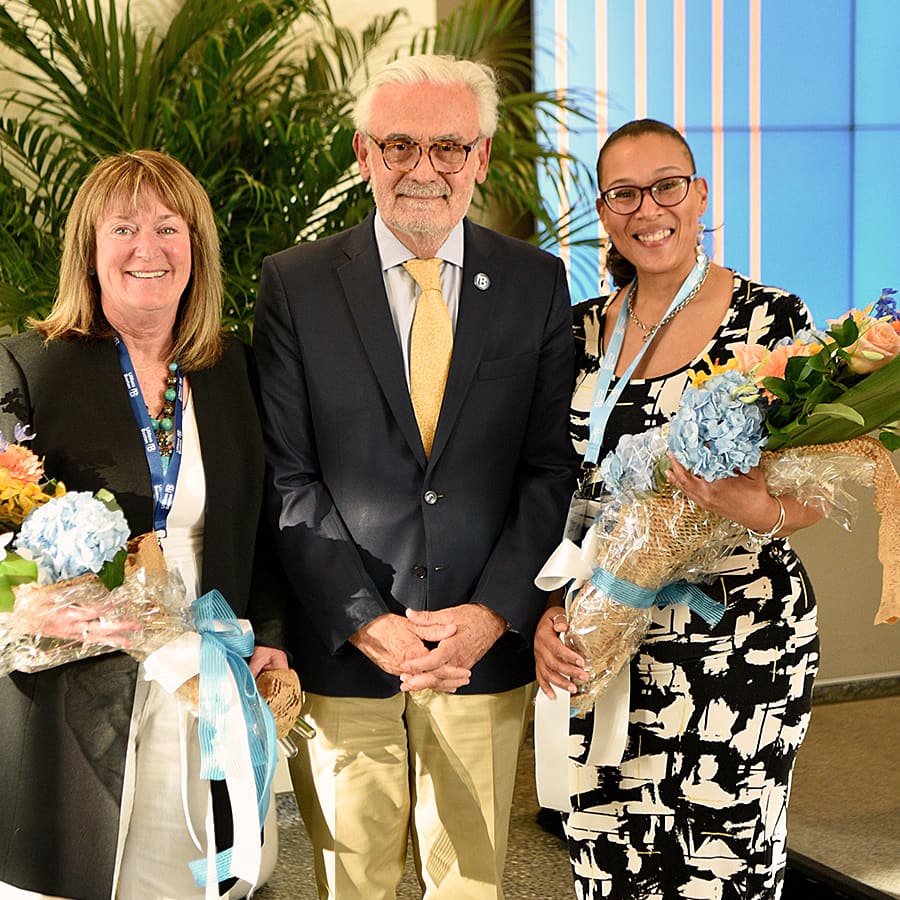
(430, 347)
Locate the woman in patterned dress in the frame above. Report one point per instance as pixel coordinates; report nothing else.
(697, 806)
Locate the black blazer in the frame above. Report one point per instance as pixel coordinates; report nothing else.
(63, 735)
(365, 524)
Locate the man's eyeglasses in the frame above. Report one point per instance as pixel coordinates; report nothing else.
(404, 154)
(627, 198)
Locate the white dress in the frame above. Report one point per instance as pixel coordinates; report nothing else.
(156, 843)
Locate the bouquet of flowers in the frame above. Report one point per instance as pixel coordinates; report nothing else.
(75, 587)
(800, 410)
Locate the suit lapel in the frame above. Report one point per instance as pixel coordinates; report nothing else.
(363, 286)
(476, 308)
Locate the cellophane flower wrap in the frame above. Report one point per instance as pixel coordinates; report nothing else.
(73, 586)
(90, 589)
(802, 411)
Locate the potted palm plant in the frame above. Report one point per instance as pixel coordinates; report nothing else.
(254, 96)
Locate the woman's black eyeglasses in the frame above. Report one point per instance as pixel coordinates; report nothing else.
(627, 198)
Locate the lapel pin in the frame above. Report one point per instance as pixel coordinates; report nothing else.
(482, 282)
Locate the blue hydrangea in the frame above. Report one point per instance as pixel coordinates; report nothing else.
(628, 470)
(72, 535)
(715, 433)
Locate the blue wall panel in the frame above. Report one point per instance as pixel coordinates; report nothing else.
(828, 132)
(876, 222)
(877, 93)
(736, 224)
(620, 51)
(698, 64)
(736, 73)
(806, 230)
(660, 59)
(807, 62)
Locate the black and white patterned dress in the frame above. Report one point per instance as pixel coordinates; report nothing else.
(697, 808)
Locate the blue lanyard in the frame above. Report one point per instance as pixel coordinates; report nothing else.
(162, 476)
(605, 398)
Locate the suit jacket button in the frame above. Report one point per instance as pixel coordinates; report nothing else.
(430, 497)
(420, 571)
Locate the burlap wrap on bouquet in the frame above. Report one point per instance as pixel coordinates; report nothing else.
(654, 542)
(280, 688)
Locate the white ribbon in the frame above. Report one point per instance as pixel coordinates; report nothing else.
(571, 564)
(173, 664)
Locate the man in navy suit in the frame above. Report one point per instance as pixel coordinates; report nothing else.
(411, 537)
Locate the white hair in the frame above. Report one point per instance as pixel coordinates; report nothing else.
(433, 69)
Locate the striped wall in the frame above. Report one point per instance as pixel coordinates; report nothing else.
(792, 109)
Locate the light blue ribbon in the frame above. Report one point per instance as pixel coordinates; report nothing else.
(223, 647)
(711, 611)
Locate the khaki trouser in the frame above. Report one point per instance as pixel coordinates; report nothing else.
(437, 767)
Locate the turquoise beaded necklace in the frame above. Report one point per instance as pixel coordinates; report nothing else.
(163, 425)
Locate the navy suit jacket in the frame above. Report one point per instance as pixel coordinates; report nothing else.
(364, 523)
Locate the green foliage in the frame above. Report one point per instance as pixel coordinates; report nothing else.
(254, 97)
(14, 570)
(821, 399)
(112, 572)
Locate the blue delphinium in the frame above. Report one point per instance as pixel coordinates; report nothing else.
(718, 430)
(628, 470)
(886, 306)
(72, 535)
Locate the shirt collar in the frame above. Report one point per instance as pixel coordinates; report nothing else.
(393, 252)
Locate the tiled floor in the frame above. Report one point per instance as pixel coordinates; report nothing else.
(845, 803)
(845, 814)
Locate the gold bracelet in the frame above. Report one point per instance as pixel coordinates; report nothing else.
(764, 537)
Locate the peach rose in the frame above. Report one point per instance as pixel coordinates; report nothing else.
(876, 347)
(775, 362)
(748, 356)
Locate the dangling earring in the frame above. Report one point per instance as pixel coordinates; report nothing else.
(701, 250)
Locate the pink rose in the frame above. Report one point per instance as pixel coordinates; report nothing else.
(876, 347)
